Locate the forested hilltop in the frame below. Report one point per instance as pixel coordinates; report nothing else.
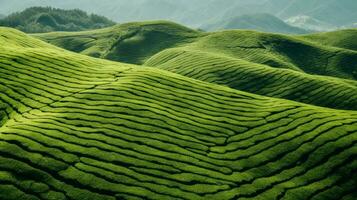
(47, 19)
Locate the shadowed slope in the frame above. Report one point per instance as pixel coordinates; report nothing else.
(346, 39)
(131, 42)
(85, 128)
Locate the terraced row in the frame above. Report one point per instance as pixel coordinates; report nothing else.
(131, 42)
(89, 129)
(281, 51)
(30, 77)
(330, 54)
(303, 69)
(341, 38)
(258, 79)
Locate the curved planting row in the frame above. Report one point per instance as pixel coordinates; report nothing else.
(259, 79)
(83, 128)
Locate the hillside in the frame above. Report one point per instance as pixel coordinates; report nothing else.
(261, 22)
(47, 19)
(131, 42)
(346, 39)
(288, 67)
(138, 41)
(75, 127)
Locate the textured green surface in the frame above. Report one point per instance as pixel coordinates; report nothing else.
(130, 43)
(76, 127)
(343, 39)
(318, 69)
(137, 42)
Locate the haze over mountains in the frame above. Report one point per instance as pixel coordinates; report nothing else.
(310, 23)
(197, 13)
(261, 22)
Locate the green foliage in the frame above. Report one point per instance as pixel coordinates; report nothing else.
(130, 43)
(304, 68)
(346, 39)
(47, 19)
(76, 127)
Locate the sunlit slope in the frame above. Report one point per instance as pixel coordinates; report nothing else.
(131, 43)
(13, 38)
(259, 79)
(270, 65)
(83, 128)
(29, 73)
(281, 51)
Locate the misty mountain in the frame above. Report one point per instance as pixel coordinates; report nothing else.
(335, 12)
(261, 22)
(310, 23)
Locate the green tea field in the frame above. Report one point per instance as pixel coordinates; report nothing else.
(155, 110)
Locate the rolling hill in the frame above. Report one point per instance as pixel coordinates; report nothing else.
(346, 39)
(76, 127)
(260, 22)
(289, 67)
(131, 42)
(47, 19)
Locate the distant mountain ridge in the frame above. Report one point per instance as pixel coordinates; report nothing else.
(261, 22)
(335, 12)
(307, 22)
(47, 19)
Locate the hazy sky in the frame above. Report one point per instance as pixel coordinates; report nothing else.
(196, 12)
